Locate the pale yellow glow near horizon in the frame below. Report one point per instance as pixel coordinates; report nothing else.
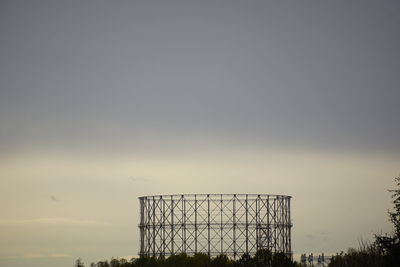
(75, 202)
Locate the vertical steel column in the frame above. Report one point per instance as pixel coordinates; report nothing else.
(222, 232)
(286, 226)
(268, 225)
(163, 223)
(148, 226)
(258, 223)
(290, 230)
(172, 225)
(154, 228)
(141, 227)
(247, 224)
(183, 223)
(275, 226)
(208, 224)
(283, 223)
(195, 223)
(234, 226)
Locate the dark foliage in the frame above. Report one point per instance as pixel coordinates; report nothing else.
(262, 258)
(366, 256)
(385, 251)
(389, 245)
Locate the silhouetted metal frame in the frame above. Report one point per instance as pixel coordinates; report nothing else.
(214, 224)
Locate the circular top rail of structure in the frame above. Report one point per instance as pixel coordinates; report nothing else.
(216, 195)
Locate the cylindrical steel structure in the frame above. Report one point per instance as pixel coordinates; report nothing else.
(214, 224)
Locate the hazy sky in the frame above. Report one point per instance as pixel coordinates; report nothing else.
(104, 101)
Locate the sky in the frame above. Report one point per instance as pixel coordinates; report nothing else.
(105, 101)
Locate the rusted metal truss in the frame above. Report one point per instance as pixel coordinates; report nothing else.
(214, 224)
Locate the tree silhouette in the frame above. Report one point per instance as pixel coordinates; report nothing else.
(79, 263)
(390, 244)
(262, 258)
(385, 251)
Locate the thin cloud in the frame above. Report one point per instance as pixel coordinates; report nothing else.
(138, 179)
(33, 256)
(59, 255)
(52, 221)
(8, 257)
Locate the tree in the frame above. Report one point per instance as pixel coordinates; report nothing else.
(245, 260)
(79, 263)
(221, 261)
(389, 245)
(103, 264)
(395, 215)
(282, 260)
(200, 260)
(114, 263)
(263, 257)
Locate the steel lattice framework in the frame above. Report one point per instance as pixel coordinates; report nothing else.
(214, 224)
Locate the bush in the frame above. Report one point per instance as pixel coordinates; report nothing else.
(261, 259)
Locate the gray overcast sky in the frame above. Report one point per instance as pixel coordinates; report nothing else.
(294, 97)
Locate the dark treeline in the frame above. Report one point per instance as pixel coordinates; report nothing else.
(262, 258)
